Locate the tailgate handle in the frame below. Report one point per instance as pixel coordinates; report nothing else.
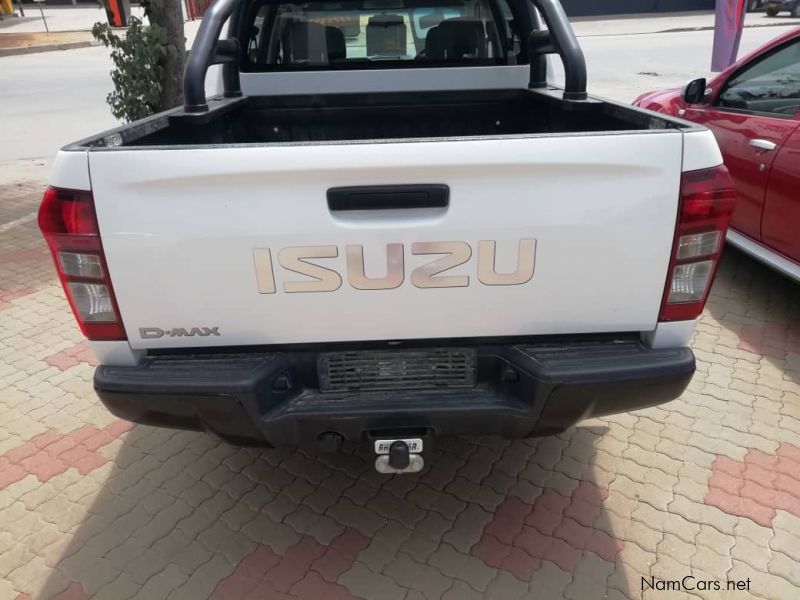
(388, 197)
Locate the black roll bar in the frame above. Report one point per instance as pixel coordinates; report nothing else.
(209, 50)
(539, 46)
(559, 39)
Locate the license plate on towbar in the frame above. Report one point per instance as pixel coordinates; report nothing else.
(414, 445)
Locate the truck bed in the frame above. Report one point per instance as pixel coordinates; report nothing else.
(379, 116)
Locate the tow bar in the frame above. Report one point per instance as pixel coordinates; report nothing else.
(399, 456)
(393, 455)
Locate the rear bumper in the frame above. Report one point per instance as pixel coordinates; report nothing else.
(274, 398)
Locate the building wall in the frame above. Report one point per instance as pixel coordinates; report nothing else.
(577, 8)
(574, 8)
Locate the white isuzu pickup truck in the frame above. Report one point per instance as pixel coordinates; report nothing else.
(388, 227)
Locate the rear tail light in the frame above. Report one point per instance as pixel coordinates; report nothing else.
(706, 205)
(69, 224)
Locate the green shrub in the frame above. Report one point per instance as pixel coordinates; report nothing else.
(138, 67)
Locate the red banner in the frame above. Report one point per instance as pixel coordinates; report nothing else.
(197, 8)
(727, 33)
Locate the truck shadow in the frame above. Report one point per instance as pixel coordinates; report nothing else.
(761, 309)
(183, 512)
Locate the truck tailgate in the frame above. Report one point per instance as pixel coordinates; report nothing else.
(194, 239)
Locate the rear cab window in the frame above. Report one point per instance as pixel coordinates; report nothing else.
(320, 35)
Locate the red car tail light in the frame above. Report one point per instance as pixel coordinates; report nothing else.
(68, 222)
(706, 204)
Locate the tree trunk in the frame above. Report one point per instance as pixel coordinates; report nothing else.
(169, 15)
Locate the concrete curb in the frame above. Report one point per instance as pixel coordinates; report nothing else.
(684, 29)
(44, 48)
(711, 27)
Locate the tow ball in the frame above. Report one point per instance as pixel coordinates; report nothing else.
(394, 456)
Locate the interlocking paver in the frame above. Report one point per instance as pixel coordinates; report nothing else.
(785, 566)
(702, 513)
(506, 587)
(468, 527)
(204, 579)
(421, 545)
(673, 546)
(37, 577)
(96, 575)
(321, 527)
(364, 519)
(461, 591)
(462, 566)
(163, 583)
(785, 542)
(763, 584)
(388, 505)
(590, 579)
(90, 505)
(364, 583)
(122, 588)
(644, 536)
(411, 574)
(710, 562)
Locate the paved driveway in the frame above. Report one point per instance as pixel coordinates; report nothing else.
(706, 487)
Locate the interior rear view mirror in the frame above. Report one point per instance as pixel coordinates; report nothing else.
(695, 91)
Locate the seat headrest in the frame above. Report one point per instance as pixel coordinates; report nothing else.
(337, 47)
(434, 46)
(305, 42)
(456, 38)
(385, 20)
(386, 35)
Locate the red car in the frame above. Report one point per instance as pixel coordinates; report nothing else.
(753, 108)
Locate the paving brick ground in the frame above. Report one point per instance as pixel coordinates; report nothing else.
(707, 486)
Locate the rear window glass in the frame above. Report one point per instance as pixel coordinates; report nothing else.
(378, 34)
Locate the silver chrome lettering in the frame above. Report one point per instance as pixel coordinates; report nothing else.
(263, 262)
(395, 271)
(154, 333)
(297, 259)
(526, 261)
(429, 275)
(150, 333)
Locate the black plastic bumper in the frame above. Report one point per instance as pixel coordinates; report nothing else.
(274, 398)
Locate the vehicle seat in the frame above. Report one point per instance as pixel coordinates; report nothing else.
(457, 38)
(386, 36)
(334, 39)
(304, 42)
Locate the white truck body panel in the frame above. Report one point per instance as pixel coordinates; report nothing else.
(179, 237)
(71, 171)
(700, 150)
